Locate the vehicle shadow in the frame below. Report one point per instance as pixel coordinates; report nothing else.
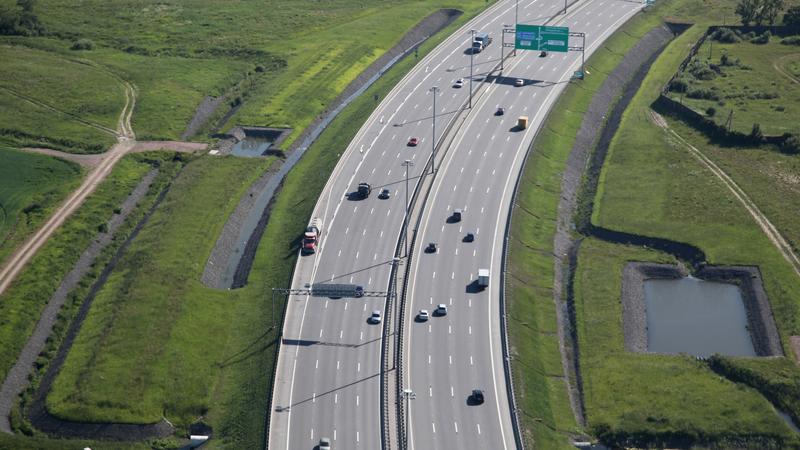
(474, 288)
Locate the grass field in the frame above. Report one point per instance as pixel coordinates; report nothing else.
(749, 84)
(153, 328)
(22, 303)
(271, 59)
(31, 186)
(682, 201)
(770, 178)
(653, 397)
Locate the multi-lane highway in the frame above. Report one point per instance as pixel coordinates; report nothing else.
(328, 371)
(328, 374)
(449, 356)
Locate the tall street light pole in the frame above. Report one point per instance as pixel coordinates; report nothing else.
(409, 395)
(471, 54)
(407, 164)
(434, 90)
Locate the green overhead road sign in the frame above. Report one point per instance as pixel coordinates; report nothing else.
(539, 37)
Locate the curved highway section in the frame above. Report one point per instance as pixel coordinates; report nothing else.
(450, 355)
(328, 371)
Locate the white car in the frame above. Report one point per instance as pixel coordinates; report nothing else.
(441, 310)
(423, 315)
(375, 317)
(324, 444)
(519, 82)
(458, 83)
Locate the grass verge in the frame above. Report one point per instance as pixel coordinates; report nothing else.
(31, 186)
(546, 417)
(656, 400)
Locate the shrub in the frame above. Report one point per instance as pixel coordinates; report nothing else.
(678, 85)
(82, 44)
(762, 39)
(763, 95)
(792, 17)
(725, 35)
(711, 111)
(702, 94)
(701, 70)
(791, 40)
(791, 145)
(756, 135)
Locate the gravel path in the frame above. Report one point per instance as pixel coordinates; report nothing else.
(220, 263)
(564, 244)
(17, 378)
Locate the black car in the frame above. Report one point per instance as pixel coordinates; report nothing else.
(384, 194)
(500, 111)
(469, 237)
(477, 396)
(431, 248)
(543, 54)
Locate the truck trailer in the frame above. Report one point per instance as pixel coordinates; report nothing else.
(483, 278)
(480, 42)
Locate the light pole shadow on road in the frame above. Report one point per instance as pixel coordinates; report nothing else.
(331, 391)
(309, 343)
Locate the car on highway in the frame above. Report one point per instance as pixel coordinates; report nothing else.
(469, 237)
(458, 83)
(324, 444)
(423, 315)
(519, 82)
(500, 111)
(384, 194)
(456, 217)
(441, 310)
(412, 142)
(477, 396)
(543, 53)
(375, 317)
(431, 248)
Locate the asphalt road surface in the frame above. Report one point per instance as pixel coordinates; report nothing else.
(328, 376)
(449, 356)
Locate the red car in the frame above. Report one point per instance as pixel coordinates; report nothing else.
(413, 142)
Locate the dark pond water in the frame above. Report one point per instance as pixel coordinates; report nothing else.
(697, 317)
(251, 146)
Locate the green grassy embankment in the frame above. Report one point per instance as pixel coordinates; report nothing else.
(748, 84)
(31, 186)
(21, 304)
(148, 346)
(684, 202)
(42, 95)
(656, 398)
(546, 416)
(269, 60)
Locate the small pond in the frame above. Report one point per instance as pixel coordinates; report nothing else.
(697, 317)
(252, 146)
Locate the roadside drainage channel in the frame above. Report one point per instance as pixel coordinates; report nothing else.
(240, 260)
(37, 411)
(593, 133)
(17, 379)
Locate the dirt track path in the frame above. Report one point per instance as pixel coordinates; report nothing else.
(778, 65)
(767, 227)
(102, 166)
